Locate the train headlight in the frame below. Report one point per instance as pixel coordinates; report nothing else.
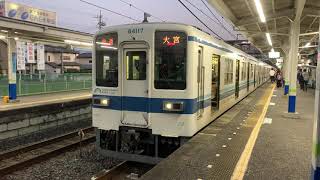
(105, 102)
(173, 106)
(101, 101)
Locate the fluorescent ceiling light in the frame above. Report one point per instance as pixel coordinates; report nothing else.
(2, 37)
(260, 11)
(5, 31)
(269, 39)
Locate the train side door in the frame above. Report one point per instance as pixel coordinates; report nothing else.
(237, 78)
(200, 81)
(215, 81)
(135, 85)
(248, 76)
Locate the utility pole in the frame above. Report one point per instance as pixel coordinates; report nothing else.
(101, 23)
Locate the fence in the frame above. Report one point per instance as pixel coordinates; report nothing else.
(47, 83)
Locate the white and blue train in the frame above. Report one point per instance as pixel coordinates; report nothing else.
(157, 84)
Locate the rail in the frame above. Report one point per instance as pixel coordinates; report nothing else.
(16, 159)
(124, 170)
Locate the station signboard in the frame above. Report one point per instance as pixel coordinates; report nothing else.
(274, 54)
(27, 13)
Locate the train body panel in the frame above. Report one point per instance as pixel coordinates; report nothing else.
(156, 84)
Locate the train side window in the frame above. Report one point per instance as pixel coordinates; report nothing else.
(252, 71)
(243, 71)
(170, 60)
(228, 71)
(106, 60)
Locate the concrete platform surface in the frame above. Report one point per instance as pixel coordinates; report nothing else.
(215, 151)
(44, 99)
(284, 145)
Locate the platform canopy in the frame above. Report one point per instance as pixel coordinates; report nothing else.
(278, 14)
(43, 33)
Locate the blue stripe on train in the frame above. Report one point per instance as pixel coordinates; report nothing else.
(141, 104)
(201, 41)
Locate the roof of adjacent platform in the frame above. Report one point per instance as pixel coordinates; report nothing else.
(42, 33)
(279, 14)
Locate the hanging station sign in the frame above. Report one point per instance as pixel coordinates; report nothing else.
(40, 57)
(27, 13)
(30, 53)
(21, 55)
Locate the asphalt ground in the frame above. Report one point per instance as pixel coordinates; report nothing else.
(222, 149)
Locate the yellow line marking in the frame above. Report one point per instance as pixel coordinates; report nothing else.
(43, 102)
(242, 164)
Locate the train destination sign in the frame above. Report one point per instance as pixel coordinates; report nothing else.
(171, 41)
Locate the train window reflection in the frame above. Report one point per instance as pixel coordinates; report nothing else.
(170, 60)
(228, 71)
(136, 65)
(107, 60)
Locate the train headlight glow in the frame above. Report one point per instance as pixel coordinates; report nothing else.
(173, 106)
(105, 102)
(101, 101)
(168, 106)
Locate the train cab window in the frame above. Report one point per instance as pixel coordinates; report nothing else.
(136, 65)
(170, 60)
(228, 71)
(107, 60)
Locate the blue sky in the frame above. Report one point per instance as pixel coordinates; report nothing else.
(74, 14)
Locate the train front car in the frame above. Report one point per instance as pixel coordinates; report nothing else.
(140, 94)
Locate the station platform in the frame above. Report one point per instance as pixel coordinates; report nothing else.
(255, 139)
(45, 99)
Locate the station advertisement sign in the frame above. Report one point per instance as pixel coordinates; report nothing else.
(21, 55)
(40, 57)
(27, 13)
(30, 53)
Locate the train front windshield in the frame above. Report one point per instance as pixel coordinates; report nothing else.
(170, 60)
(107, 60)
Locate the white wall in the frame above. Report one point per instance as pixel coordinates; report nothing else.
(56, 57)
(83, 61)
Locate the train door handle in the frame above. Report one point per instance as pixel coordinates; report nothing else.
(146, 91)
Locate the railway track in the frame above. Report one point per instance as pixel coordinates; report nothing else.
(16, 159)
(125, 170)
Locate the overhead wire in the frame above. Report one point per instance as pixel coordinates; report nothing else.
(100, 7)
(218, 19)
(199, 19)
(141, 10)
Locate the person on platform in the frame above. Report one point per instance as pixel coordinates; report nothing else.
(305, 76)
(279, 79)
(300, 79)
(272, 74)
